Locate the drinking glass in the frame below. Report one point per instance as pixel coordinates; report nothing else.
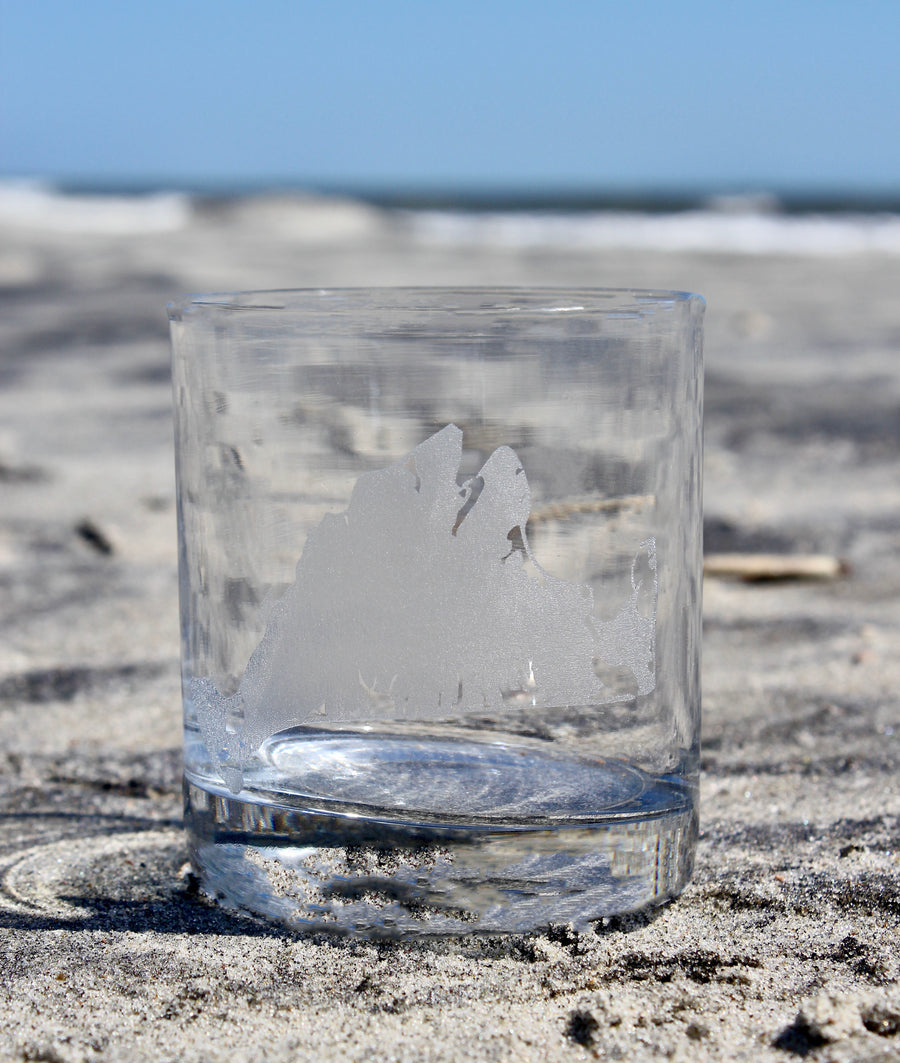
(440, 576)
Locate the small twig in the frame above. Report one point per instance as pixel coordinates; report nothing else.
(570, 507)
(94, 536)
(760, 568)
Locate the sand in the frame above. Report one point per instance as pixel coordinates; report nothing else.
(786, 942)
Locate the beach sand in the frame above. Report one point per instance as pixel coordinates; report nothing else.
(786, 941)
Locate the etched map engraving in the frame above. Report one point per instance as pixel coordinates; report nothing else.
(423, 601)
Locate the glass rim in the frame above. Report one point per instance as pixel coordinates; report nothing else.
(433, 299)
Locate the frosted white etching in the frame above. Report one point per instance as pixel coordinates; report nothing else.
(423, 601)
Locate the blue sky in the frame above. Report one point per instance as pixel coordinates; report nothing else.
(525, 95)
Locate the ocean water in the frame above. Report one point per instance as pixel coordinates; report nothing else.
(749, 225)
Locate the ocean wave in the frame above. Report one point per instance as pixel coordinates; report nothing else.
(751, 225)
(759, 232)
(33, 205)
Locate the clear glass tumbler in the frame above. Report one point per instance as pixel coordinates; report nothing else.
(440, 564)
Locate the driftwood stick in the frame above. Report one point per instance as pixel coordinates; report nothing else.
(759, 568)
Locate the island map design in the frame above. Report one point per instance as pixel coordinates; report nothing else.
(423, 601)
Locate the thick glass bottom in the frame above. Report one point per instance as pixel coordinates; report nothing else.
(390, 834)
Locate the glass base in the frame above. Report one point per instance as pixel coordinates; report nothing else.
(394, 835)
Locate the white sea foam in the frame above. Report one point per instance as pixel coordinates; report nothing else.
(33, 205)
(752, 232)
